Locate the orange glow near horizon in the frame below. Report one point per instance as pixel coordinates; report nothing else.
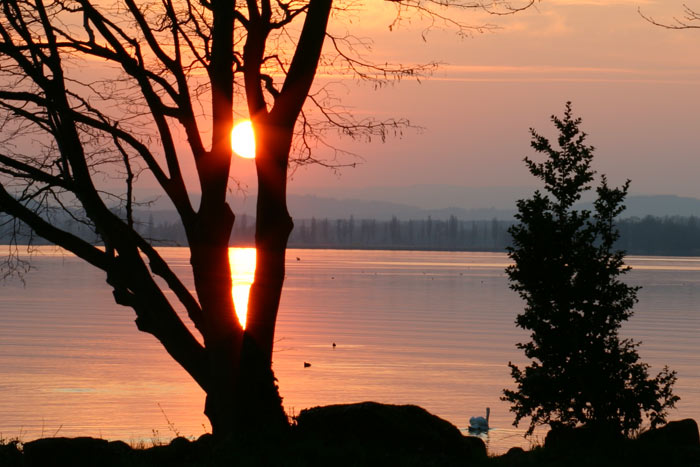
(242, 261)
(243, 139)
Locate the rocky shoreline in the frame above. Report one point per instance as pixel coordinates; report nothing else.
(367, 434)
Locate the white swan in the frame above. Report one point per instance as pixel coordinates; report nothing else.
(480, 423)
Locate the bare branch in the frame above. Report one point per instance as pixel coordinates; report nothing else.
(439, 13)
(690, 19)
(75, 245)
(347, 49)
(302, 69)
(29, 172)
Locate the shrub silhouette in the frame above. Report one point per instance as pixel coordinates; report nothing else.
(567, 270)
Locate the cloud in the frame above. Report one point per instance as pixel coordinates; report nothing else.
(552, 73)
(575, 74)
(539, 24)
(533, 69)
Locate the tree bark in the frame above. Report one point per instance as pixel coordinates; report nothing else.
(275, 131)
(273, 226)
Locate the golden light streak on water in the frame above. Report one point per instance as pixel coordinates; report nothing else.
(242, 261)
(434, 329)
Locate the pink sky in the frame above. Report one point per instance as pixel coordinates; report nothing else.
(636, 86)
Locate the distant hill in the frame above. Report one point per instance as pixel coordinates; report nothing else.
(320, 207)
(661, 206)
(308, 206)
(421, 201)
(430, 196)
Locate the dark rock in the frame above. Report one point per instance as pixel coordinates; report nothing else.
(180, 443)
(584, 437)
(382, 430)
(10, 455)
(183, 448)
(516, 456)
(205, 441)
(476, 448)
(119, 447)
(515, 452)
(180, 451)
(75, 452)
(678, 433)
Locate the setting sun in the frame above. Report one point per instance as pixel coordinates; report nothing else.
(243, 139)
(242, 261)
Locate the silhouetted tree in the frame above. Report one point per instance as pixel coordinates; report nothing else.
(92, 94)
(568, 272)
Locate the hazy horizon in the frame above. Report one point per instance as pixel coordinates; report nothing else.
(423, 200)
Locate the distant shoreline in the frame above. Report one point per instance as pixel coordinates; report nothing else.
(647, 236)
(384, 248)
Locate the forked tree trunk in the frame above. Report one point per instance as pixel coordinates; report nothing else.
(273, 226)
(241, 396)
(257, 405)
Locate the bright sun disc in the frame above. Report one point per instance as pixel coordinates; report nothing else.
(243, 139)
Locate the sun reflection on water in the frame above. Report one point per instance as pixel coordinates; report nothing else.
(242, 261)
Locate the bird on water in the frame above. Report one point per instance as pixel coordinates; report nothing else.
(478, 424)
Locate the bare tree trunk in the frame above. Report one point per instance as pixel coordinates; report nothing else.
(242, 396)
(222, 333)
(273, 226)
(274, 132)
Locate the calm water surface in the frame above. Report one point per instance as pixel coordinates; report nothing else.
(428, 328)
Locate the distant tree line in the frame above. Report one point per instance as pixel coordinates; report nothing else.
(672, 236)
(431, 234)
(663, 236)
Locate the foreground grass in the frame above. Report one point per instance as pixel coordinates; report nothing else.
(366, 434)
(310, 452)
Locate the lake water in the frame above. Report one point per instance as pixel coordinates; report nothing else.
(434, 329)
